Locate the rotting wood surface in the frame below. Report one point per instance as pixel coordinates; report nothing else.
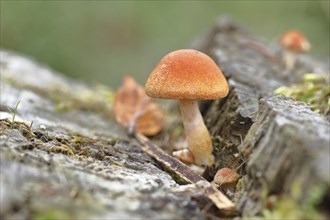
(73, 152)
(285, 144)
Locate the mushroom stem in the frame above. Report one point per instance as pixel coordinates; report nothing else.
(289, 58)
(198, 137)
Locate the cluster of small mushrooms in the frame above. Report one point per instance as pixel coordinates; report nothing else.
(188, 76)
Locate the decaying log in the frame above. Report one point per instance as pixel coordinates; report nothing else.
(65, 146)
(286, 143)
(65, 157)
(288, 148)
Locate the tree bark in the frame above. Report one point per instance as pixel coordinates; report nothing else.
(65, 157)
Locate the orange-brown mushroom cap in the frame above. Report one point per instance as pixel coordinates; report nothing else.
(225, 176)
(294, 41)
(187, 74)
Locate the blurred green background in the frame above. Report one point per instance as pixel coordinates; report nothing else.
(100, 41)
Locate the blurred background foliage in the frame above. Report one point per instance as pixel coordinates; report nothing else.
(100, 41)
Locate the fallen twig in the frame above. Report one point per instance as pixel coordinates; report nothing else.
(186, 174)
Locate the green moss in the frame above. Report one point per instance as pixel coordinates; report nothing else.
(289, 207)
(76, 147)
(70, 207)
(98, 99)
(79, 139)
(23, 127)
(62, 149)
(314, 90)
(52, 214)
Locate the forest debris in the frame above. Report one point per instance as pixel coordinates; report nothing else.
(135, 110)
(185, 174)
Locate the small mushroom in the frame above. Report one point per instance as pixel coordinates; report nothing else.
(293, 42)
(184, 155)
(226, 179)
(189, 75)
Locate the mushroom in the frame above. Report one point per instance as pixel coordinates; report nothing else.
(189, 75)
(293, 42)
(184, 155)
(226, 179)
